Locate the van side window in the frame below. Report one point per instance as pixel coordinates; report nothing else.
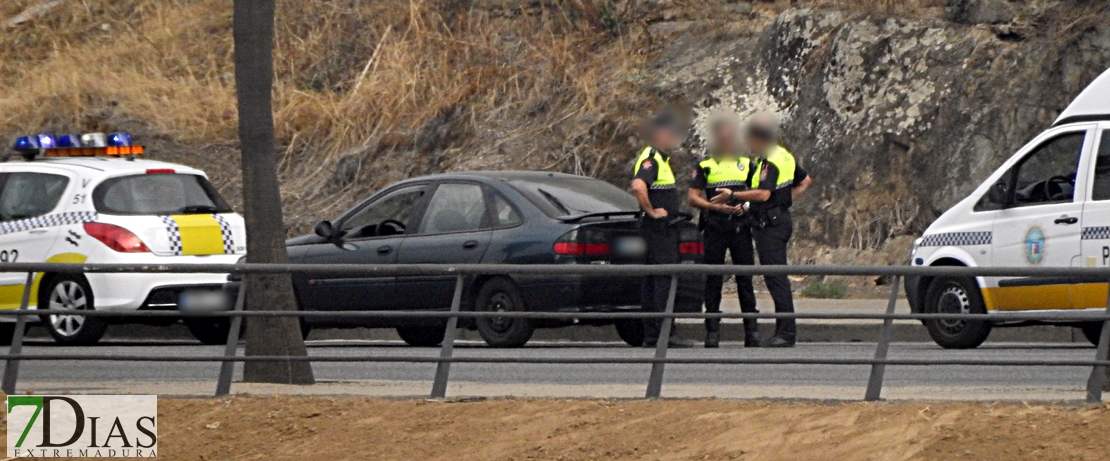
(27, 195)
(1101, 189)
(1046, 175)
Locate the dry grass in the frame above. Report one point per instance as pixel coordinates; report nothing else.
(366, 92)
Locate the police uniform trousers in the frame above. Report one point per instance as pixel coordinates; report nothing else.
(770, 242)
(734, 236)
(662, 248)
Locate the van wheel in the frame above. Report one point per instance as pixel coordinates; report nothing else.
(502, 295)
(71, 292)
(956, 295)
(1092, 331)
(421, 336)
(631, 331)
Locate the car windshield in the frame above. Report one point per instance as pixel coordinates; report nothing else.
(562, 196)
(158, 194)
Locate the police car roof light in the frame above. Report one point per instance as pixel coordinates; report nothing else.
(27, 144)
(94, 140)
(69, 140)
(119, 140)
(46, 141)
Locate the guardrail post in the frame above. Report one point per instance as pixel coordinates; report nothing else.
(655, 382)
(1098, 372)
(231, 349)
(11, 369)
(878, 370)
(443, 369)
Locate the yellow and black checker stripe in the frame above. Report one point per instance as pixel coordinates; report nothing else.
(199, 234)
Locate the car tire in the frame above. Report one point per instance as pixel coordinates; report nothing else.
(953, 295)
(631, 331)
(71, 292)
(209, 331)
(1092, 331)
(7, 331)
(421, 336)
(502, 295)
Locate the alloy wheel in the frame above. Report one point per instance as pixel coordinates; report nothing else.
(68, 295)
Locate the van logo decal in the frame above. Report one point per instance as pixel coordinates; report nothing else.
(1034, 245)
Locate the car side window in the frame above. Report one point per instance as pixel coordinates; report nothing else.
(504, 215)
(386, 216)
(1046, 175)
(455, 207)
(27, 195)
(1101, 188)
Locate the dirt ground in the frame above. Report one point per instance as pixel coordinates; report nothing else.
(296, 428)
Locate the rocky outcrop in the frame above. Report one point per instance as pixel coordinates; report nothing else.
(897, 119)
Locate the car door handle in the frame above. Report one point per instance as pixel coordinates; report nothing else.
(384, 250)
(1066, 220)
(470, 244)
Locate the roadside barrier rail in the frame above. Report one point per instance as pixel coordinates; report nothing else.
(658, 362)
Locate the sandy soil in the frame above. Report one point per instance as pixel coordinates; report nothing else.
(273, 428)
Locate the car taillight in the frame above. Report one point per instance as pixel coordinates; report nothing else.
(582, 242)
(691, 248)
(117, 238)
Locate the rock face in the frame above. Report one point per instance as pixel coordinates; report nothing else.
(896, 119)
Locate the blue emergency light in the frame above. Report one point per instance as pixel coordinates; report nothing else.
(73, 145)
(69, 140)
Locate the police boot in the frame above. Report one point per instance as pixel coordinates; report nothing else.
(751, 333)
(712, 333)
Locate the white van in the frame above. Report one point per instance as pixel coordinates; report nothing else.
(1047, 206)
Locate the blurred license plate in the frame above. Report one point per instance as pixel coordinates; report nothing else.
(202, 300)
(630, 246)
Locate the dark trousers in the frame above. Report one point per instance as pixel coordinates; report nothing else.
(662, 248)
(770, 242)
(723, 235)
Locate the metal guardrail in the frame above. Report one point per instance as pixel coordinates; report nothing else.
(658, 362)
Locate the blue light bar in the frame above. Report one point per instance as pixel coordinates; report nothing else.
(27, 144)
(46, 141)
(69, 140)
(119, 139)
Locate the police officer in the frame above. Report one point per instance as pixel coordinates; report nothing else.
(654, 188)
(776, 180)
(725, 228)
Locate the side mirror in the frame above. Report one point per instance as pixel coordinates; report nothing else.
(997, 194)
(325, 229)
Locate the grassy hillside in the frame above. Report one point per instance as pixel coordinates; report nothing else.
(367, 92)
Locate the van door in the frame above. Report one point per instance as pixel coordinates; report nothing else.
(1091, 294)
(1039, 225)
(29, 225)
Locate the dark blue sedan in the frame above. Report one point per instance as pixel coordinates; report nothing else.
(484, 217)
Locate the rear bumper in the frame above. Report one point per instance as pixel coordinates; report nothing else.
(124, 292)
(601, 294)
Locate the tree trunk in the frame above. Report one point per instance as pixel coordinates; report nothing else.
(254, 77)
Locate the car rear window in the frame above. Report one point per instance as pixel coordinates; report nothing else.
(559, 197)
(158, 194)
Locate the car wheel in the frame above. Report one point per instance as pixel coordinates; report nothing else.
(7, 331)
(1092, 331)
(421, 336)
(71, 292)
(956, 295)
(210, 331)
(631, 331)
(502, 295)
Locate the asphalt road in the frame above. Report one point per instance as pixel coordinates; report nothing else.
(1000, 379)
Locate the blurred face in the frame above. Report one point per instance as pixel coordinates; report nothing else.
(724, 139)
(758, 144)
(666, 139)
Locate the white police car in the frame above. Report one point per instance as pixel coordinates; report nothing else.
(87, 199)
(1047, 206)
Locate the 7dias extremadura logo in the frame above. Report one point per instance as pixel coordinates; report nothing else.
(94, 426)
